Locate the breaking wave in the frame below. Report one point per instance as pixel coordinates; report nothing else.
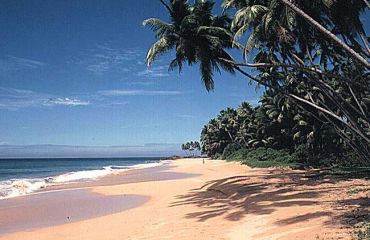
(19, 187)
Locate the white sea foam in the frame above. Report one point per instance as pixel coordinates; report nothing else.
(82, 175)
(19, 187)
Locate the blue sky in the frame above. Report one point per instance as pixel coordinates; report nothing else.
(73, 73)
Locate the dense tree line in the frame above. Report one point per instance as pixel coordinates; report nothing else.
(191, 148)
(274, 124)
(312, 57)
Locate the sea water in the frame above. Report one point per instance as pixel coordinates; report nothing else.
(23, 176)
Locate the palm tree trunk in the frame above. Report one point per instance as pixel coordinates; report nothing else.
(303, 68)
(291, 95)
(365, 43)
(231, 138)
(166, 6)
(367, 3)
(327, 90)
(353, 126)
(357, 101)
(354, 129)
(327, 33)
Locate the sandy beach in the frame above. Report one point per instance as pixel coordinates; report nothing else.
(186, 199)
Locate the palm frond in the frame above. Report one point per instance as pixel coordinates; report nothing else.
(175, 63)
(247, 14)
(207, 74)
(249, 45)
(239, 33)
(160, 47)
(179, 10)
(158, 26)
(226, 4)
(215, 31)
(227, 66)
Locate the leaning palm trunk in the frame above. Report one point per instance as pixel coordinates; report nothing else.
(203, 39)
(327, 33)
(346, 122)
(367, 3)
(328, 91)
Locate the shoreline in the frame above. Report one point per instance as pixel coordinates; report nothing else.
(188, 199)
(25, 186)
(29, 214)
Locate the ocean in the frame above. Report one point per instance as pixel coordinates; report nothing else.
(23, 176)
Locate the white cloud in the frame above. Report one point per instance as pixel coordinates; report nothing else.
(110, 104)
(123, 92)
(12, 63)
(66, 102)
(142, 83)
(14, 99)
(154, 72)
(104, 58)
(27, 62)
(188, 116)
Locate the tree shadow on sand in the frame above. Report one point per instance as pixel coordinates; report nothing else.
(262, 192)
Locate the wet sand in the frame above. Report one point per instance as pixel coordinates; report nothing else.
(67, 203)
(191, 200)
(61, 207)
(158, 173)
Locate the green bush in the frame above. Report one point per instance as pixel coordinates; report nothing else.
(268, 154)
(230, 149)
(263, 157)
(307, 156)
(364, 232)
(238, 155)
(217, 156)
(350, 159)
(302, 154)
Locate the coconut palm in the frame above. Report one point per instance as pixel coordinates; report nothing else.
(228, 122)
(308, 48)
(197, 36)
(302, 51)
(344, 23)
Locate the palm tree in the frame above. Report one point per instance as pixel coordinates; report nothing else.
(213, 139)
(248, 14)
(294, 56)
(197, 36)
(329, 34)
(228, 122)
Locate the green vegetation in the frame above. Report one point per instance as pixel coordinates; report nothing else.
(364, 232)
(191, 148)
(357, 190)
(286, 138)
(262, 158)
(311, 57)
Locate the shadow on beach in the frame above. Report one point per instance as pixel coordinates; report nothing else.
(265, 191)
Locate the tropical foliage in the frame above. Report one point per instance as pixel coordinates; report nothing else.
(278, 126)
(312, 57)
(197, 36)
(191, 148)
